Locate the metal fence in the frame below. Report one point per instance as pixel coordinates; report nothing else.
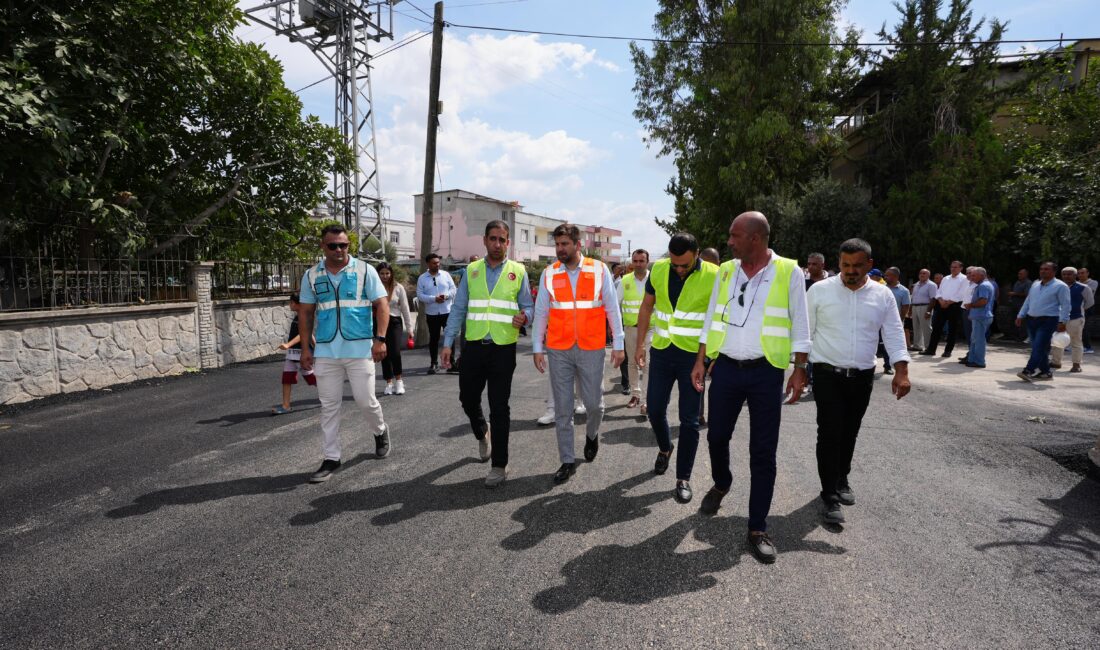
(247, 278)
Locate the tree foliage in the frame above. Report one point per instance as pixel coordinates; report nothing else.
(1054, 189)
(816, 218)
(133, 126)
(742, 113)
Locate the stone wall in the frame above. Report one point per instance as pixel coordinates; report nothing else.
(250, 328)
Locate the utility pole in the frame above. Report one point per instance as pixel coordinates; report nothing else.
(428, 212)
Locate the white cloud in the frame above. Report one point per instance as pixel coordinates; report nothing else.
(634, 219)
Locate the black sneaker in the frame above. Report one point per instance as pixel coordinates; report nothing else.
(325, 472)
(626, 389)
(591, 448)
(712, 500)
(761, 546)
(661, 466)
(1042, 376)
(844, 493)
(432, 369)
(382, 443)
(682, 493)
(833, 513)
(564, 472)
(887, 371)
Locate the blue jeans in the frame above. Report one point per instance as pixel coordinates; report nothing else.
(979, 330)
(666, 367)
(1039, 330)
(762, 387)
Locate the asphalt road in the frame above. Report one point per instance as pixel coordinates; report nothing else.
(177, 513)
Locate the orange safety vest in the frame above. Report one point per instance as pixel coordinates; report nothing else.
(579, 319)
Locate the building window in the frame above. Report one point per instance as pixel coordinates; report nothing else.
(504, 215)
(395, 237)
(523, 236)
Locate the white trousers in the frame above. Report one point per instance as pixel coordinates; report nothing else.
(636, 375)
(1075, 328)
(330, 390)
(922, 327)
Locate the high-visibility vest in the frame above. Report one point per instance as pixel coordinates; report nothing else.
(633, 292)
(579, 319)
(346, 310)
(491, 314)
(775, 335)
(681, 325)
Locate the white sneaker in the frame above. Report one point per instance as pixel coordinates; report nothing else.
(547, 417)
(496, 476)
(399, 388)
(483, 446)
(580, 410)
(389, 388)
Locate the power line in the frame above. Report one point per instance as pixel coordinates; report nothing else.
(428, 15)
(672, 41)
(409, 40)
(412, 17)
(482, 4)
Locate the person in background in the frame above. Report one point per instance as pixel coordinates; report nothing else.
(291, 367)
(619, 271)
(937, 278)
(1080, 299)
(950, 297)
(398, 333)
(993, 310)
(1084, 278)
(631, 291)
(903, 301)
(815, 269)
(923, 297)
(876, 276)
(1046, 310)
(1016, 299)
(979, 310)
(709, 255)
(435, 291)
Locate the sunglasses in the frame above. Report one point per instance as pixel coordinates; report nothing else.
(337, 246)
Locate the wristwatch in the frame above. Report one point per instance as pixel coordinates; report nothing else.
(380, 339)
(801, 366)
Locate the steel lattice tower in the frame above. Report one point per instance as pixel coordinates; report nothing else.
(338, 33)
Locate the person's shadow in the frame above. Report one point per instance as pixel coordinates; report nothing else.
(421, 494)
(568, 512)
(640, 436)
(652, 569)
(232, 419)
(193, 494)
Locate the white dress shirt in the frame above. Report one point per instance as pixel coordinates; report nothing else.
(742, 342)
(845, 324)
(429, 286)
(953, 288)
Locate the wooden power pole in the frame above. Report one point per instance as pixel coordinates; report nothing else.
(427, 214)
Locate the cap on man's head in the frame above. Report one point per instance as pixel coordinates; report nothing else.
(876, 273)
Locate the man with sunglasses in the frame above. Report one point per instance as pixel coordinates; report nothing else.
(342, 299)
(435, 291)
(756, 320)
(677, 304)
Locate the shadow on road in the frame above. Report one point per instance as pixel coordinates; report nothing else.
(652, 569)
(204, 492)
(640, 436)
(584, 512)
(419, 495)
(232, 419)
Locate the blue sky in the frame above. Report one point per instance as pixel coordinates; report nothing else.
(547, 120)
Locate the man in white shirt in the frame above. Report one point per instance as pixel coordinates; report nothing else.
(755, 321)
(847, 313)
(435, 291)
(949, 300)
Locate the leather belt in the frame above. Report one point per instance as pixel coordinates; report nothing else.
(746, 363)
(920, 304)
(843, 372)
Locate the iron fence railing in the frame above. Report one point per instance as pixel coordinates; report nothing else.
(249, 278)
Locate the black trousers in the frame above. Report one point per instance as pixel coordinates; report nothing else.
(395, 340)
(484, 362)
(436, 323)
(952, 316)
(841, 402)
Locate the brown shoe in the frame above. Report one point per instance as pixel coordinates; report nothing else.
(761, 546)
(633, 403)
(1076, 368)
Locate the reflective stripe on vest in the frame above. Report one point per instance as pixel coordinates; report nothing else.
(344, 309)
(775, 333)
(491, 314)
(681, 325)
(576, 319)
(633, 293)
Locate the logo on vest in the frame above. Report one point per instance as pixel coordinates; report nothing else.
(511, 276)
(725, 275)
(474, 274)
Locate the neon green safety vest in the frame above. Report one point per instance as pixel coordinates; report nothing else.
(682, 325)
(633, 292)
(775, 336)
(491, 314)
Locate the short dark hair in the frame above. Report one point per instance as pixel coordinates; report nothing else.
(895, 270)
(567, 230)
(1051, 263)
(333, 229)
(294, 297)
(643, 252)
(683, 242)
(856, 245)
(497, 223)
(431, 256)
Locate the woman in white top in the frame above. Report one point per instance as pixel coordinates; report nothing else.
(397, 333)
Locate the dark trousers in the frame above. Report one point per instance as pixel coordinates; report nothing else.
(1086, 341)
(436, 323)
(395, 340)
(484, 362)
(762, 387)
(841, 402)
(1040, 329)
(667, 367)
(623, 372)
(952, 316)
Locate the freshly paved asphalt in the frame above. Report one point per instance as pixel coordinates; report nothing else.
(178, 514)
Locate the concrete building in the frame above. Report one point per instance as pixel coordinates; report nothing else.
(600, 242)
(531, 238)
(402, 236)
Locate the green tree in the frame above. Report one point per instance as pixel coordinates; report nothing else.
(741, 111)
(816, 218)
(1054, 189)
(936, 166)
(132, 127)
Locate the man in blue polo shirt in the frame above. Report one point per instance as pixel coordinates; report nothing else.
(342, 300)
(980, 312)
(1045, 309)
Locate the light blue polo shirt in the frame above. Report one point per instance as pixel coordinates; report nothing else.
(339, 348)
